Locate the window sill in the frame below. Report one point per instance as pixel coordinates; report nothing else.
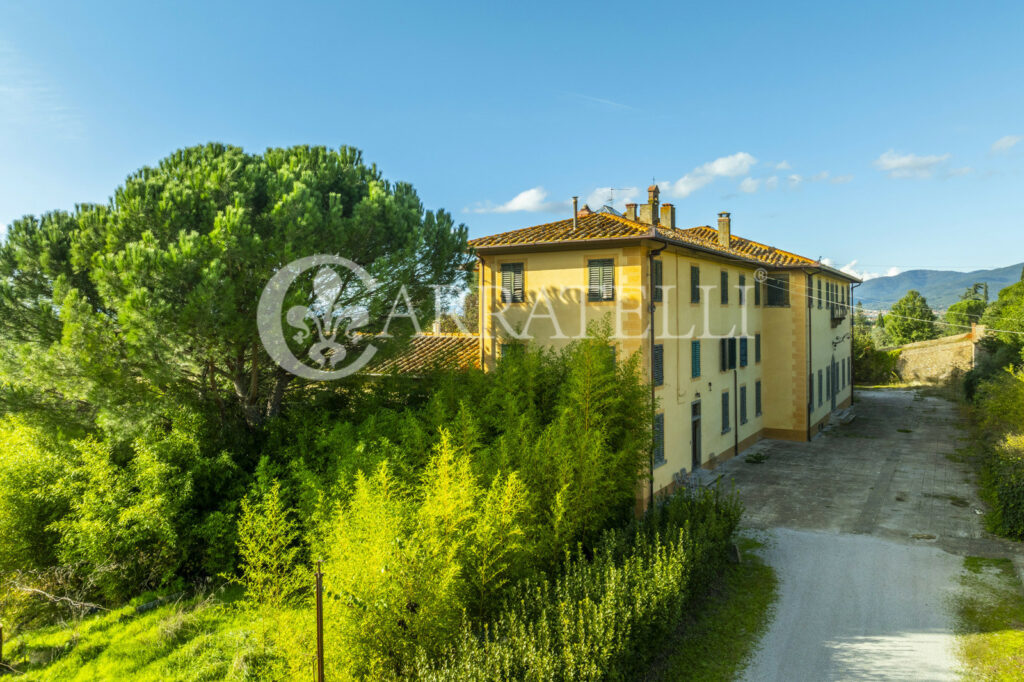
(726, 430)
(660, 464)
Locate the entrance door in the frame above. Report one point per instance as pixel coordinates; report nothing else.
(695, 435)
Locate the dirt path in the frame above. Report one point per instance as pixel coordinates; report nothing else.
(867, 526)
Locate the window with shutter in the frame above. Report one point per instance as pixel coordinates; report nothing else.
(512, 283)
(659, 364)
(821, 389)
(757, 348)
(819, 293)
(743, 404)
(694, 284)
(742, 289)
(601, 279)
(723, 354)
(725, 287)
(695, 358)
(659, 439)
(743, 351)
(757, 399)
(757, 292)
(657, 281)
(725, 411)
(732, 353)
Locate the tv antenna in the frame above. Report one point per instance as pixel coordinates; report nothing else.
(611, 194)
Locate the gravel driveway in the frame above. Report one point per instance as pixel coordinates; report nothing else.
(867, 526)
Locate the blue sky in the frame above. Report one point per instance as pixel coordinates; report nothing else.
(888, 134)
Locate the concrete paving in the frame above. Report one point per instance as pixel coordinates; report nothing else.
(867, 526)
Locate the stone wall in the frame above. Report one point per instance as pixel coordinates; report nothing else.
(936, 360)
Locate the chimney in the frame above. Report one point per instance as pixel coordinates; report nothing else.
(668, 215)
(575, 213)
(631, 212)
(724, 229)
(649, 211)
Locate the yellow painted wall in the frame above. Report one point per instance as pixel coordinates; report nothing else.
(555, 285)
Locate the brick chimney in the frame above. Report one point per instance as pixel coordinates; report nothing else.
(668, 215)
(724, 229)
(649, 211)
(630, 211)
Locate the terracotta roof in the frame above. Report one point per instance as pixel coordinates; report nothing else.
(428, 352)
(602, 226)
(708, 237)
(591, 227)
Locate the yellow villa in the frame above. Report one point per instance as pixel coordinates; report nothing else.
(742, 341)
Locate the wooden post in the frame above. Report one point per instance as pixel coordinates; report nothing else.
(319, 622)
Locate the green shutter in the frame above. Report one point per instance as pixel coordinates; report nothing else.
(725, 286)
(512, 283)
(743, 404)
(694, 284)
(743, 352)
(659, 438)
(659, 364)
(757, 291)
(725, 411)
(743, 291)
(695, 358)
(601, 280)
(757, 348)
(657, 281)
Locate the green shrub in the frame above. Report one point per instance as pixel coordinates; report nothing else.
(1004, 479)
(607, 616)
(873, 366)
(32, 465)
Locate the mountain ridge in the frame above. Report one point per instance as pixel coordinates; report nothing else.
(941, 288)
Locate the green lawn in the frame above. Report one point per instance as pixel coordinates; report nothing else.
(990, 621)
(718, 639)
(195, 639)
(212, 639)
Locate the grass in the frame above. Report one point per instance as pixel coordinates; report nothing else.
(196, 639)
(718, 638)
(756, 458)
(989, 614)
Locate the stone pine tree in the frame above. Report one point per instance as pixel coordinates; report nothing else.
(152, 298)
(910, 319)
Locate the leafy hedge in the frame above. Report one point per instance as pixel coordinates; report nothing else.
(607, 616)
(999, 420)
(871, 365)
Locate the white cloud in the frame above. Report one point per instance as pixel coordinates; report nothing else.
(612, 196)
(851, 269)
(701, 176)
(795, 180)
(957, 172)
(532, 200)
(840, 179)
(909, 165)
(772, 182)
(818, 177)
(1005, 143)
(782, 165)
(749, 185)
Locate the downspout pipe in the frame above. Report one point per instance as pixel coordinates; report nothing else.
(651, 255)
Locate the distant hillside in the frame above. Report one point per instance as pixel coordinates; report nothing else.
(942, 288)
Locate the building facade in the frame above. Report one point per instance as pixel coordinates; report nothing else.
(741, 341)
